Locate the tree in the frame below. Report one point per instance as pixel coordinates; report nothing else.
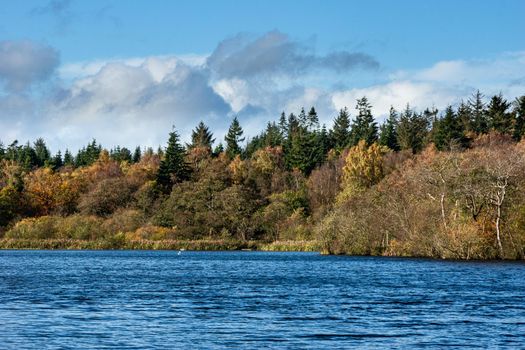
(340, 133)
(448, 130)
(479, 123)
(201, 137)
(388, 131)
(499, 117)
(68, 158)
(57, 162)
(519, 111)
(412, 130)
(233, 138)
(137, 155)
(363, 127)
(173, 167)
(42, 152)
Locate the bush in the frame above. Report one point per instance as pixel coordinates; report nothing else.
(81, 227)
(44, 227)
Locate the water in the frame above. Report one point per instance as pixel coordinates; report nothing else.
(158, 299)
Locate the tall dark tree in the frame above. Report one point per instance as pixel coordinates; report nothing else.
(201, 137)
(499, 117)
(388, 131)
(464, 115)
(89, 154)
(68, 158)
(312, 120)
(56, 161)
(448, 131)
(303, 147)
(364, 126)
(233, 138)
(412, 130)
(478, 122)
(519, 112)
(173, 167)
(137, 155)
(2, 150)
(42, 152)
(340, 133)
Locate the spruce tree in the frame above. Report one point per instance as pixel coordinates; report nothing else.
(57, 162)
(201, 137)
(519, 112)
(42, 152)
(412, 130)
(137, 155)
(173, 167)
(233, 138)
(479, 123)
(465, 116)
(2, 150)
(68, 158)
(340, 133)
(363, 127)
(498, 116)
(448, 131)
(388, 131)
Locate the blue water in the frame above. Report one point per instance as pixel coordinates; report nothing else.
(225, 300)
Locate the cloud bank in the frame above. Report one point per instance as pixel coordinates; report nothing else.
(135, 101)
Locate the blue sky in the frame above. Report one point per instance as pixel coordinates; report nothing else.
(124, 71)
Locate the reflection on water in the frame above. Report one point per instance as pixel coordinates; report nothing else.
(143, 299)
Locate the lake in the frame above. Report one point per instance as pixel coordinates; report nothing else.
(224, 300)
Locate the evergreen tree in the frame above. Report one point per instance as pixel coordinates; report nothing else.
(303, 148)
(340, 133)
(363, 127)
(412, 130)
(201, 137)
(519, 111)
(137, 155)
(42, 152)
(218, 149)
(283, 125)
(312, 120)
(173, 167)
(498, 116)
(28, 157)
(2, 150)
(465, 116)
(479, 123)
(448, 130)
(88, 155)
(233, 138)
(56, 162)
(388, 131)
(68, 158)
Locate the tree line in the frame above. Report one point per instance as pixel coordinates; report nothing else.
(296, 180)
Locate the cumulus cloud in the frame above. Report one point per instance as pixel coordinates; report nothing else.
(275, 53)
(135, 101)
(23, 63)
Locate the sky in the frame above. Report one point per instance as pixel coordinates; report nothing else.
(126, 72)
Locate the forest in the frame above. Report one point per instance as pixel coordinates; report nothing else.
(442, 184)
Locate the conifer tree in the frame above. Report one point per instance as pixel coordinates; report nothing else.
(519, 112)
(363, 127)
(479, 123)
(42, 152)
(412, 130)
(498, 116)
(57, 162)
(173, 167)
(2, 150)
(388, 131)
(68, 158)
(465, 116)
(340, 133)
(201, 137)
(137, 155)
(233, 138)
(448, 130)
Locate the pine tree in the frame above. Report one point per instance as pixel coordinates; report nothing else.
(412, 130)
(388, 131)
(173, 168)
(2, 150)
(218, 149)
(363, 127)
(498, 116)
(137, 155)
(312, 120)
(42, 152)
(465, 116)
(68, 158)
(201, 137)
(57, 162)
(519, 112)
(233, 138)
(479, 123)
(340, 133)
(448, 131)
(303, 148)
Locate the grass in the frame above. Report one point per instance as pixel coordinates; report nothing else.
(116, 243)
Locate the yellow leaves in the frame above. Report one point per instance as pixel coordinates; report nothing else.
(237, 169)
(364, 165)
